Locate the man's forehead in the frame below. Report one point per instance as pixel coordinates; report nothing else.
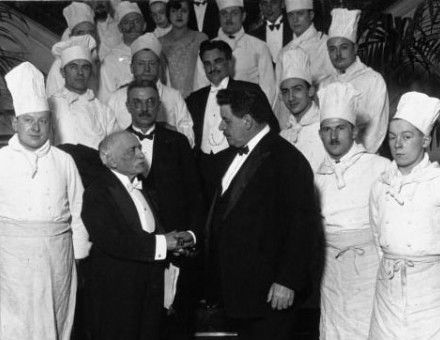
(213, 54)
(334, 122)
(292, 82)
(231, 9)
(79, 62)
(143, 93)
(145, 55)
(131, 16)
(338, 41)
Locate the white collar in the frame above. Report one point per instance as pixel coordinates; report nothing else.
(150, 130)
(223, 84)
(278, 21)
(257, 138)
(125, 180)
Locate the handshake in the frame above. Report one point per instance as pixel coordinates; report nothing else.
(180, 243)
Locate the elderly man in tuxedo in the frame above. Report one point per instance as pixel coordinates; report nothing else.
(262, 222)
(125, 277)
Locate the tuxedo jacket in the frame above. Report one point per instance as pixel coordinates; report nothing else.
(260, 32)
(122, 276)
(173, 182)
(211, 23)
(261, 230)
(87, 161)
(197, 101)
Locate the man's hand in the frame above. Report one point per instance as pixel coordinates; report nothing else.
(280, 297)
(184, 241)
(172, 241)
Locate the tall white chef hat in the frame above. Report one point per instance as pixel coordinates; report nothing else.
(26, 85)
(338, 100)
(418, 109)
(77, 47)
(146, 41)
(344, 23)
(296, 64)
(126, 7)
(222, 4)
(153, 1)
(296, 5)
(78, 12)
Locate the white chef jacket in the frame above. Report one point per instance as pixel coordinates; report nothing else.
(253, 63)
(373, 104)
(173, 110)
(80, 119)
(304, 135)
(115, 71)
(345, 188)
(314, 43)
(109, 35)
(42, 186)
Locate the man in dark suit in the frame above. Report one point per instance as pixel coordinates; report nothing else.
(262, 222)
(173, 182)
(217, 61)
(205, 17)
(124, 280)
(274, 27)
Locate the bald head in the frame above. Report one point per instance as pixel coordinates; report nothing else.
(122, 152)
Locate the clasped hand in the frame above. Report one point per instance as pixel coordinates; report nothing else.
(179, 243)
(280, 297)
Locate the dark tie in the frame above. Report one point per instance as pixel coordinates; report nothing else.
(141, 136)
(272, 26)
(244, 150)
(231, 36)
(198, 3)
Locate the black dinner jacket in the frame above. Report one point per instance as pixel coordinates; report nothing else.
(260, 32)
(173, 182)
(196, 103)
(211, 23)
(263, 227)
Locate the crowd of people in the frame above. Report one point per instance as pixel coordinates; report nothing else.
(192, 164)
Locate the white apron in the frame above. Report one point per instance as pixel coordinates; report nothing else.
(37, 280)
(348, 284)
(407, 300)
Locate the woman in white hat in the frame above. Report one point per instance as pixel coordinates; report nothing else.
(405, 215)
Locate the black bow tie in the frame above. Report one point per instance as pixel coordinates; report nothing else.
(231, 36)
(199, 3)
(276, 26)
(244, 150)
(141, 136)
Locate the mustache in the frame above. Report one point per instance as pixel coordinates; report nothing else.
(334, 142)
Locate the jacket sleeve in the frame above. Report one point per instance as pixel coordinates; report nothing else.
(300, 222)
(374, 215)
(99, 214)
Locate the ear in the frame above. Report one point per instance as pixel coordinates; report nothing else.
(312, 91)
(356, 46)
(355, 132)
(14, 121)
(243, 17)
(145, 27)
(248, 121)
(426, 141)
(312, 14)
(63, 73)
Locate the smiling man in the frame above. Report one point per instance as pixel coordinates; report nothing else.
(344, 180)
(297, 92)
(78, 116)
(259, 257)
(373, 109)
(41, 231)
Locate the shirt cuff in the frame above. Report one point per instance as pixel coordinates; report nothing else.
(161, 248)
(193, 235)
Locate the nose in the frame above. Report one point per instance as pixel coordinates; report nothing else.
(36, 127)
(291, 96)
(334, 134)
(139, 154)
(398, 143)
(222, 126)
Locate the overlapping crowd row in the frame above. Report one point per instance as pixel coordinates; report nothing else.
(233, 168)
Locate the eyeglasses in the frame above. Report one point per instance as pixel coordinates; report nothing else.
(138, 105)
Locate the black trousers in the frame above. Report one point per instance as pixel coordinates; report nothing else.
(274, 325)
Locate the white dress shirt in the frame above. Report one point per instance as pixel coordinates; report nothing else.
(42, 186)
(144, 211)
(200, 11)
(253, 63)
(304, 135)
(274, 38)
(344, 189)
(147, 144)
(239, 160)
(173, 110)
(373, 104)
(213, 139)
(80, 118)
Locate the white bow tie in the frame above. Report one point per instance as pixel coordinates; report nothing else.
(135, 185)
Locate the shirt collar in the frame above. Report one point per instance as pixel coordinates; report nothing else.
(128, 185)
(278, 21)
(223, 85)
(150, 130)
(256, 139)
(354, 150)
(237, 35)
(310, 117)
(353, 68)
(72, 97)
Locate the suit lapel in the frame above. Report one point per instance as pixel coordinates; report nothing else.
(245, 174)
